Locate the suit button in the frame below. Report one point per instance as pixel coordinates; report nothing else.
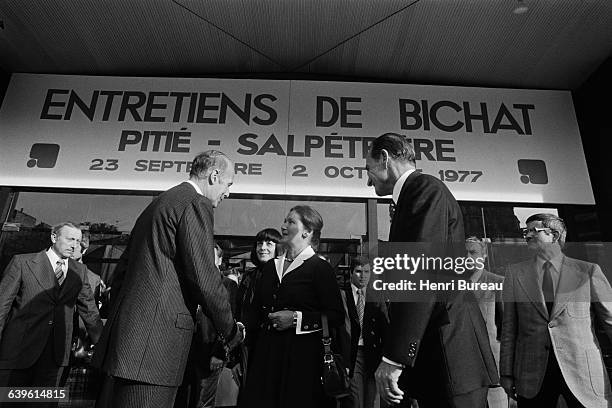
(551, 325)
(50, 322)
(372, 333)
(316, 326)
(410, 355)
(274, 296)
(306, 327)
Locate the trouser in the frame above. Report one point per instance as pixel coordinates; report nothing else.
(553, 385)
(43, 373)
(362, 388)
(133, 394)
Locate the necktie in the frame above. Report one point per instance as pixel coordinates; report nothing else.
(547, 287)
(360, 306)
(59, 272)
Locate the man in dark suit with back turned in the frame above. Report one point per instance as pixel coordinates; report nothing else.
(38, 293)
(170, 270)
(435, 351)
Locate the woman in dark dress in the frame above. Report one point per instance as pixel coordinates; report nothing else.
(293, 292)
(264, 249)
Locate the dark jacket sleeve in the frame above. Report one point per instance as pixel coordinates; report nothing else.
(87, 309)
(403, 336)
(10, 282)
(329, 295)
(195, 248)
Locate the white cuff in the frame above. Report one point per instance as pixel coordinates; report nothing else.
(393, 363)
(298, 326)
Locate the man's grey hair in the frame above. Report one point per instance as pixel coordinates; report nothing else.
(205, 162)
(56, 228)
(398, 147)
(553, 222)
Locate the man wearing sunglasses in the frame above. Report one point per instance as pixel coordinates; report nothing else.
(548, 345)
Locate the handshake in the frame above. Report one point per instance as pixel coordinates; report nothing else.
(238, 337)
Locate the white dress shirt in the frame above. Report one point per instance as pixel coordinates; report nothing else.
(194, 185)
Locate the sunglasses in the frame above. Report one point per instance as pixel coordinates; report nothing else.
(527, 231)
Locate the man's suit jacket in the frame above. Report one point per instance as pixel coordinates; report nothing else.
(170, 270)
(442, 342)
(375, 321)
(529, 334)
(33, 306)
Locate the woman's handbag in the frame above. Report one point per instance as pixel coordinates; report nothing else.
(335, 376)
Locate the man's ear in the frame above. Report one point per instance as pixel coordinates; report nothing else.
(213, 177)
(53, 237)
(556, 236)
(385, 158)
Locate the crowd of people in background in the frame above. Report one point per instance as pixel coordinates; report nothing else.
(178, 331)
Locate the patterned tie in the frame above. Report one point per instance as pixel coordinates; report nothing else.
(547, 287)
(360, 306)
(59, 272)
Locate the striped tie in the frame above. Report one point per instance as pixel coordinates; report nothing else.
(360, 306)
(59, 272)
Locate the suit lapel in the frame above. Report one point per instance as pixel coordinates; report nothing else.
(41, 269)
(347, 317)
(570, 279)
(527, 278)
(350, 305)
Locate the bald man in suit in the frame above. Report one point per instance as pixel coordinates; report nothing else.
(169, 269)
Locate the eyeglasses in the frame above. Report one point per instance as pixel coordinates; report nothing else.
(527, 231)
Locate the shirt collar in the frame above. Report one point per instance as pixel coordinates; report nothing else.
(555, 262)
(297, 261)
(355, 289)
(53, 258)
(397, 188)
(197, 189)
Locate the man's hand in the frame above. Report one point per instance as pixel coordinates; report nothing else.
(238, 337)
(507, 384)
(386, 383)
(215, 363)
(281, 320)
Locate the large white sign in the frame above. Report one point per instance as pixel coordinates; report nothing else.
(288, 137)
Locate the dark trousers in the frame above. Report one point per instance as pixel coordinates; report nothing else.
(473, 399)
(553, 385)
(132, 394)
(43, 373)
(362, 388)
